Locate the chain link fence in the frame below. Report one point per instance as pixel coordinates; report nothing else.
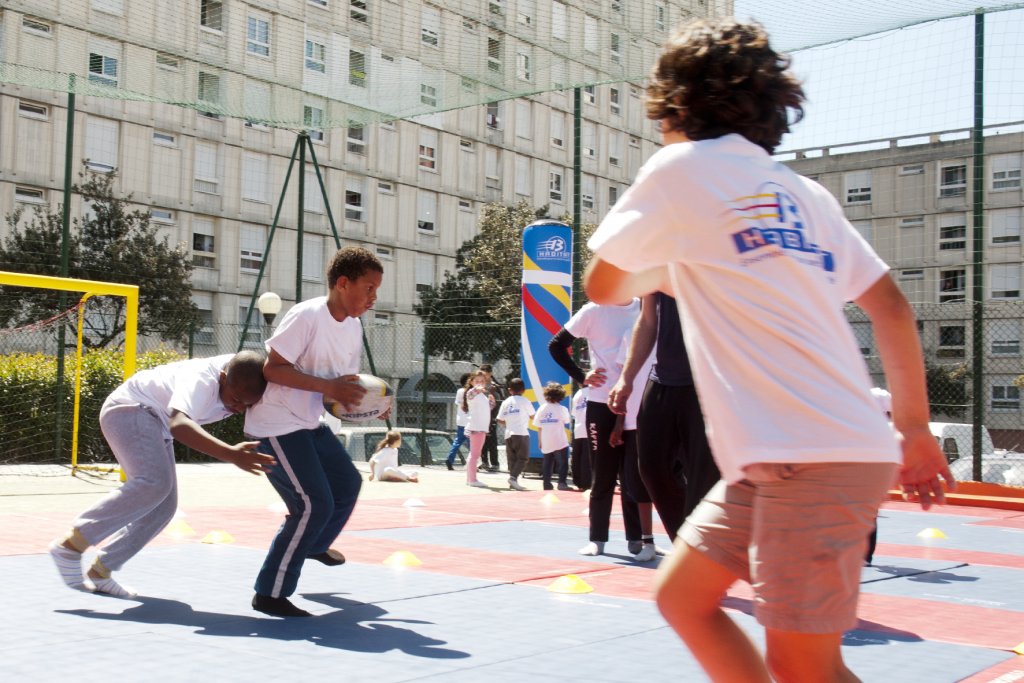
(970, 380)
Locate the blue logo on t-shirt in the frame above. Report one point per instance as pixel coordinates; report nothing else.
(774, 219)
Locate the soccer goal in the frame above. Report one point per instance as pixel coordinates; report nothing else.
(29, 362)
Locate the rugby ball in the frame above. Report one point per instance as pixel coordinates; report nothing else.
(374, 403)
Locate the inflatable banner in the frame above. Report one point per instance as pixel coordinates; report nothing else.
(547, 306)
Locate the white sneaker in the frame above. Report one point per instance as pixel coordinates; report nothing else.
(516, 486)
(647, 553)
(477, 484)
(592, 548)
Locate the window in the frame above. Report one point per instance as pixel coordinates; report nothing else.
(168, 62)
(590, 34)
(313, 201)
(912, 169)
(616, 6)
(558, 129)
(380, 318)
(211, 14)
(424, 272)
(559, 20)
(257, 36)
(492, 163)
(613, 195)
(313, 258)
(952, 285)
(589, 94)
(1005, 280)
(1005, 397)
(522, 186)
(614, 148)
(912, 274)
(385, 187)
(313, 119)
(556, 72)
(465, 205)
(32, 110)
(203, 244)
(496, 7)
(428, 149)
(207, 169)
(468, 84)
(209, 89)
(466, 145)
(660, 13)
(316, 56)
(634, 141)
(101, 144)
(161, 216)
(253, 334)
(615, 47)
(952, 339)
(1005, 226)
(357, 11)
(524, 119)
(37, 26)
(614, 101)
(952, 232)
(354, 198)
(102, 69)
(493, 116)
(469, 25)
(953, 180)
(555, 179)
(589, 139)
(865, 338)
(526, 11)
(912, 222)
(426, 213)
(355, 139)
(587, 192)
(524, 68)
(428, 95)
(203, 333)
(357, 68)
(1005, 172)
(258, 104)
(251, 243)
(430, 26)
(494, 54)
(29, 195)
(1005, 337)
(858, 187)
(385, 253)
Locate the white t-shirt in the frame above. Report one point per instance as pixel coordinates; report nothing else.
(315, 343)
(639, 382)
(763, 261)
(191, 387)
(385, 457)
(461, 416)
(551, 420)
(516, 411)
(579, 413)
(603, 327)
(479, 411)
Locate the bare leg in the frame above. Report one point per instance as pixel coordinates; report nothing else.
(807, 658)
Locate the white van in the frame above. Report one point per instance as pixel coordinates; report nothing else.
(997, 466)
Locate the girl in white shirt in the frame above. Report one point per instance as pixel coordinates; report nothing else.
(478, 403)
(384, 462)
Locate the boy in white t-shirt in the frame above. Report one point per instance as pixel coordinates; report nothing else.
(551, 421)
(515, 413)
(315, 352)
(140, 419)
(761, 263)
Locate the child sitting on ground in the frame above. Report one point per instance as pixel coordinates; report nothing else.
(384, 462)
(551, 421)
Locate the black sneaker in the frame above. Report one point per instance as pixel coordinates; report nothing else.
(450, 466)
(277, 607)
(332, 558)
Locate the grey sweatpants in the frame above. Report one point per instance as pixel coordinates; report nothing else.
(136, 513)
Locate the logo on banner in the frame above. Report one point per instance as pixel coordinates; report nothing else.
(553, 248)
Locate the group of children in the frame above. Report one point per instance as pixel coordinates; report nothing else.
(760, 263)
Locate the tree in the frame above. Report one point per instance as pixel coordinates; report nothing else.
(947, 389)
(113, 243)
(477, 308)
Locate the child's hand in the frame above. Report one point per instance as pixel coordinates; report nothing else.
(595, 378)
(346, 391)
(923, 464)
(245, 457)
(615, 439)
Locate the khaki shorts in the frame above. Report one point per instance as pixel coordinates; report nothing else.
(798, 533)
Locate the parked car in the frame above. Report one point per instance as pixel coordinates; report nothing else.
(997, 466)
(361, 442)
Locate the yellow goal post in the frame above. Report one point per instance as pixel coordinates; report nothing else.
(87, 288)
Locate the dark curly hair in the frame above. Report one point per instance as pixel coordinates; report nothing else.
(719, 77)
(351, 262)
(554, 392)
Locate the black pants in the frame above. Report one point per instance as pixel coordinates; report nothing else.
(489, 457)
(581, 477)
(606, 463)
(556, 462)
(675, 458)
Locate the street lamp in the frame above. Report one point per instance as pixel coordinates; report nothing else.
(269, 304)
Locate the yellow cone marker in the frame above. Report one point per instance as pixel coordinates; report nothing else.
(414, 503)
(549, 498)
(570, 583)
(1019, 649)
(218, 537)
(179, 528)
(402, 558)
(931, 532)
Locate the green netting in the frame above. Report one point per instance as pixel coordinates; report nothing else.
(336, 63)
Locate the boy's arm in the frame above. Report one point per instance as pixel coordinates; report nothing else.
(900, 350)
(344, 389)
(645, 332)
(606, 284)
(242, 455)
